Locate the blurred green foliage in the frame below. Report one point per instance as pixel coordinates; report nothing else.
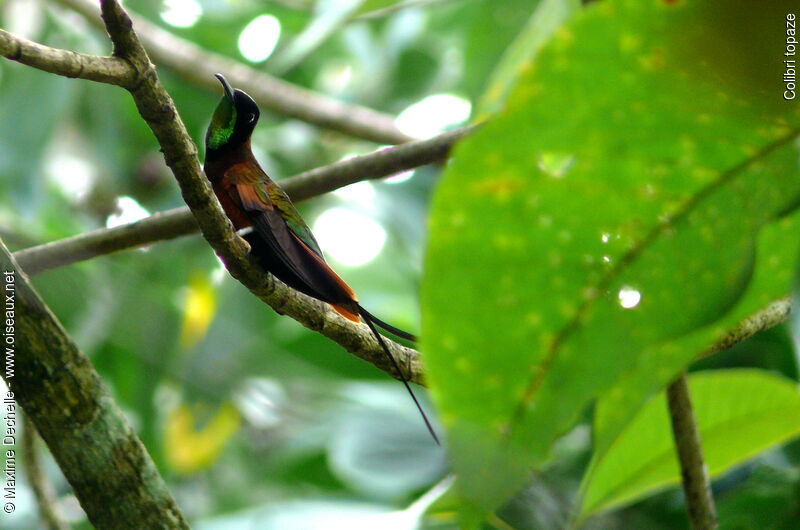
(618, 121)
(732, 429)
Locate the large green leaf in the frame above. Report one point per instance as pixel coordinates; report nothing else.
(598, 229)
(775, 256)
(738, 413)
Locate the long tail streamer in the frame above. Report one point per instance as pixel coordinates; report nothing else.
(371, 321)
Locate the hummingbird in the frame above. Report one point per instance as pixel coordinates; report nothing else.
(264, 216)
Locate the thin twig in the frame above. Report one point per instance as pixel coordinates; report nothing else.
(179, 222)
(199, 66)
(42, 490)
(696, 484)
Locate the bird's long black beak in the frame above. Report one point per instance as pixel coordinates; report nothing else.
(225, 85)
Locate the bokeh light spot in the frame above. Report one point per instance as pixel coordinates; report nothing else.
(362, 192)
(181, 13)
(398, 178)
(350, 238)
(74, 175)
(433, 114)
(128, 211)
(259, 38)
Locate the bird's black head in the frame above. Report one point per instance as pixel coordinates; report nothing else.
(233, 121)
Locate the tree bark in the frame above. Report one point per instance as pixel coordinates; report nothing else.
(113, 476)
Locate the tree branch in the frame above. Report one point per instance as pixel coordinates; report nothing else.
(109, 469)
(161, 226)
(112, 70)
(775, 313)
(696, 484)
(199, 66)
(179, 222)
(158, 110)
(176, 223)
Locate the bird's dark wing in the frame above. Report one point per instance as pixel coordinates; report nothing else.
(278, 225)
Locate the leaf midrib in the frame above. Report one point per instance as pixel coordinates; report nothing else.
(541, 370)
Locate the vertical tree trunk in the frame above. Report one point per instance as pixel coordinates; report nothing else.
(696, 484)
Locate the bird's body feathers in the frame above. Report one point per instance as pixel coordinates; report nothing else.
(279, 238)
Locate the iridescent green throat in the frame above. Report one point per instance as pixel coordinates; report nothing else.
(222, 124)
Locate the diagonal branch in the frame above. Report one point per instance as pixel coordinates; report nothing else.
(179, 222)
(773, 314)
(158, 110)
(199, 66)
(109, 469)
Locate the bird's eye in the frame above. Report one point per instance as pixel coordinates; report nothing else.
(251, 118)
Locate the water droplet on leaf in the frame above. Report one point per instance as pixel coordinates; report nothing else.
(629, 297)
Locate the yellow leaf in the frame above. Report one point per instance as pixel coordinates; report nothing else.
(199, 307)
(190, 448)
